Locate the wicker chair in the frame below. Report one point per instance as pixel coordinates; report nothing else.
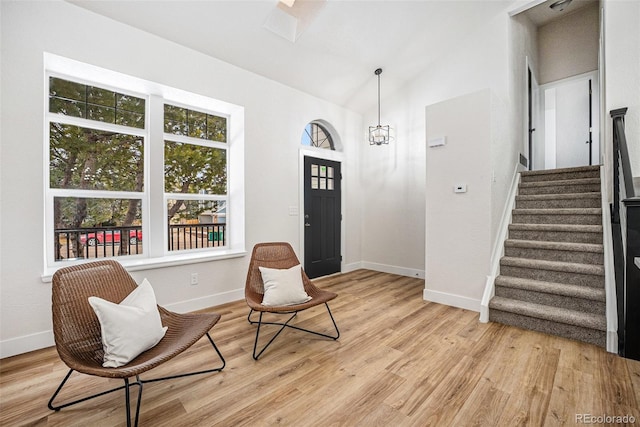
(280, 256)
(77, 330)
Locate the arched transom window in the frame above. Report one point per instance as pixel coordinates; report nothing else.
(315, 135)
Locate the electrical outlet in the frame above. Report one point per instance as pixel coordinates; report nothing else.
(194, 278)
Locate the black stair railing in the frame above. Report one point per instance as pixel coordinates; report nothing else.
(625, 219)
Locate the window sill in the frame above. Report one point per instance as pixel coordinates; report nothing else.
(166, 261)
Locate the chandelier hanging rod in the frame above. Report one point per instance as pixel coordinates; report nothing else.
(378, 72)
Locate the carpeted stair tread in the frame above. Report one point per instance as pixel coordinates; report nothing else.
(577, 216)
(554, 314)
(575, 291)
(575, 228)
(592, 168)
(559, 211)
(567, 267)
(561, 183)
(572, 332)
(552, 200)
(560, 196)
(557, 246)
(561, 174)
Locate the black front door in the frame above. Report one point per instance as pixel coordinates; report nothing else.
(322, 216)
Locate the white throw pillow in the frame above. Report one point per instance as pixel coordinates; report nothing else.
(128, 328)
(283, 287)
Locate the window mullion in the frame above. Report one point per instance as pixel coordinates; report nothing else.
(98, 194)
(195, 141)
(93, 124)
(156, 208)
(193, 196)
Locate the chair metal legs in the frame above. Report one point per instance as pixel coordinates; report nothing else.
(286, 324)
(127, 385)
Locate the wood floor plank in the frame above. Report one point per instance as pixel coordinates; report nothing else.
(483, 407)
(564, 405)
(400, 361)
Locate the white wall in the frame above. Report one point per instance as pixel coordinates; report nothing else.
(622, 74)
(275, 116)
(394, 187)
(569, 45)
(458, 234)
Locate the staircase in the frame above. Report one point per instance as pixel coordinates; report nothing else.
(552, 273)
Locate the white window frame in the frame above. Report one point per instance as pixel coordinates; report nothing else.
(171, 137)
(154, 207)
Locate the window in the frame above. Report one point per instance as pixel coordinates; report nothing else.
(315, 135)
(96, 170)
(138, 176)
(195, 165)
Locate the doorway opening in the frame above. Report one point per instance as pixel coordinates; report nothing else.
(571, 122)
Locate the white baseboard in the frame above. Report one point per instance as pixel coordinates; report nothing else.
(206, 301)
(452, 300)
(392, 269)
(26, 343)
(489, 292)
(37, 341)
(347, 268)
(612, 342)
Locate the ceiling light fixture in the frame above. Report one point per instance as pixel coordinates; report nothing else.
(288, 2)
(560, 5)
(379, 135)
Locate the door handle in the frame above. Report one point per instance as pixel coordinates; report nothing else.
(306, 224)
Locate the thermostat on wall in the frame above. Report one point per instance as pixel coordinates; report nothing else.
(437, 142)
(460, 188)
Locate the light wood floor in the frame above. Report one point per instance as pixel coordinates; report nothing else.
(400, 361)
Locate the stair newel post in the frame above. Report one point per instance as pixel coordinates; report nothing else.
(619, 150)
(632, 282)
(625, 218)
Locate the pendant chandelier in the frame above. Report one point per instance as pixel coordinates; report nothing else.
(379, 134)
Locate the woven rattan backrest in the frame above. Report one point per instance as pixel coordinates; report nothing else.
(75, 326)
(278, 255)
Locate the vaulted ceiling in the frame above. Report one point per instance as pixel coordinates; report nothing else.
(327, 48)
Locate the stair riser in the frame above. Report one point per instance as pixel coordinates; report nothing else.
(592, 336)
(575, 219)
(555, 255)
(561, 301)
(558, 204)
(556, 236)
(560, 176)
(595, 281)
(560, 189)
